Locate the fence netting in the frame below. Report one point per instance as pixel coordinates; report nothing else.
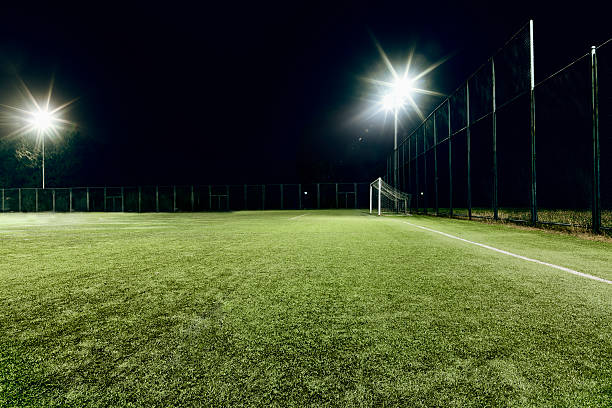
(186, 198)
(503, 146)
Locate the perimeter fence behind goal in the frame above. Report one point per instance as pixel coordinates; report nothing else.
(186, 198)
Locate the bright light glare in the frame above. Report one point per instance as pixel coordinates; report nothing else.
(42, 120)
(400, 92)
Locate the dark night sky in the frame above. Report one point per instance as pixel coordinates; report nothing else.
(257, 93)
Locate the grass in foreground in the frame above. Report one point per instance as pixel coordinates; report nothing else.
(334, 308)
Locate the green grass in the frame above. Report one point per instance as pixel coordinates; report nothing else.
(573, 217)
(335, 308)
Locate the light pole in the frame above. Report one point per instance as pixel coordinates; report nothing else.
(42, 122)
(395, 100)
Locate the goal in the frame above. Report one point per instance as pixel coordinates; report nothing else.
(386, 199)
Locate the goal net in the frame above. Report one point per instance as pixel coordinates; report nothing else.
(386, 199)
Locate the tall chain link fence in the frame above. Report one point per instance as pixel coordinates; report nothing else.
(504, 147)
(187, 198)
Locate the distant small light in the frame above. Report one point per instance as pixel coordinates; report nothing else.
(306, 192)
(421, 193)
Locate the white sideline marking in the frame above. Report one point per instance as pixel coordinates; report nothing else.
(562, 268)
(293, 218)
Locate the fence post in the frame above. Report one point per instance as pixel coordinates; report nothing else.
(318, 196)
(534, 205)
(355, 193)
(2, 200)
(19, 198)
(403, 178)
(70, 200)
(227, 194)
(370, 198)
(87, 195)
(596, 175)
(300, 196)
(104, 198)
(450, 162)
(139, 198)
(416, 171)
(246, 207)
(282, 196)
(53, 197)
(156, 198)
(469, 150)
(192, 199)
(174, 198)
(494, 117)
(435, 136)
(209, 197)
(337, 194)
(36, 193)
(263, 196)
(122, 200)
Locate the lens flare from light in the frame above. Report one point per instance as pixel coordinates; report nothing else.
(42, 120)
(38, 116)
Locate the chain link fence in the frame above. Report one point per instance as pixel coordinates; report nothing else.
(187, 198)
(503, 147)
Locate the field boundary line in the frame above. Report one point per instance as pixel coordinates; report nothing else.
(501, 251)
(293, 218)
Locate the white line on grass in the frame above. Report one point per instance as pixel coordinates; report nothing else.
(293, 218)
(501, 251)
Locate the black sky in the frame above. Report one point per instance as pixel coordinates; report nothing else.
(258, 93)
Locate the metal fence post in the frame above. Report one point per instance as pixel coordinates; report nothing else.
(403, 181)
(534, 202)
(355, 193)
(282, 201)
(450, 163)
(156, 198)
(494, 118)
(19, 198)
(122, 200)
(139, 199)
(104, 199)
(192, 199)
(36, 198)
(209, 197)
(174, 198)
(596, 207)
(70, 200)
(87, 198)
(245, 198)
(416, 173)
(318, 196)
(435, 135)
(337, 194)
(469, 153)
(228, 196)
(300, 196)
(53, 197)
(2, 200)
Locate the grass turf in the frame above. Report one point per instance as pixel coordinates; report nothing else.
(334, 308)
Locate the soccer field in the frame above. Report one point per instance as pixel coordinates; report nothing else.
(299, 308)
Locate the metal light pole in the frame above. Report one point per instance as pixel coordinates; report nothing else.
(395, 150)
(43, 161)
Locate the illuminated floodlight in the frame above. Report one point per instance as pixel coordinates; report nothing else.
(38, 118)
(399, 94)
(42, 120)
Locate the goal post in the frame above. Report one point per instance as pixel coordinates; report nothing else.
(385, 199)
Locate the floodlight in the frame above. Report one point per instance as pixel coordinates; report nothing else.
(400, 92)
(42, 120)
